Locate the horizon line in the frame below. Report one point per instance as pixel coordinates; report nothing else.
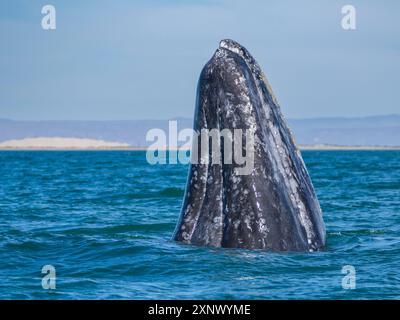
(191, 118)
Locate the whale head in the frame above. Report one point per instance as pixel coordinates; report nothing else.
(273, 206)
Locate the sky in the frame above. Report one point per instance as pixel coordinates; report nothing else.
(127, 60)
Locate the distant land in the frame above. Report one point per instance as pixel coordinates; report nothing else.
(57, 143)
(60, 143)
(378, 131)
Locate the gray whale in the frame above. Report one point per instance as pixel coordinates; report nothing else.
(275, 206)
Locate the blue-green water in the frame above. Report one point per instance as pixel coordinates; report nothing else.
(104, 221)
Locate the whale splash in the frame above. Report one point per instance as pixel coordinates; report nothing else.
(274, 206)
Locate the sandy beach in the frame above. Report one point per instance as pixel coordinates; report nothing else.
(59, 143)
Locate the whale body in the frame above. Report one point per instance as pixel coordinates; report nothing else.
(274, 207)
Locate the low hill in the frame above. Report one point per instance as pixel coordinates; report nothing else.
(60, 143)
(357, 131)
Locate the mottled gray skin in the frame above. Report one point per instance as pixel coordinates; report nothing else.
(273, 208)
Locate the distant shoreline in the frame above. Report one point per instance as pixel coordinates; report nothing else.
(338, 147)
(301, 147)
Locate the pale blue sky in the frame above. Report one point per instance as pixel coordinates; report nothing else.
(115, 60)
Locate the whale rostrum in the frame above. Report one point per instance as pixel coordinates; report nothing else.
(273, 206)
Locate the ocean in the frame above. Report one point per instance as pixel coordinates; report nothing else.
(104, 221)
